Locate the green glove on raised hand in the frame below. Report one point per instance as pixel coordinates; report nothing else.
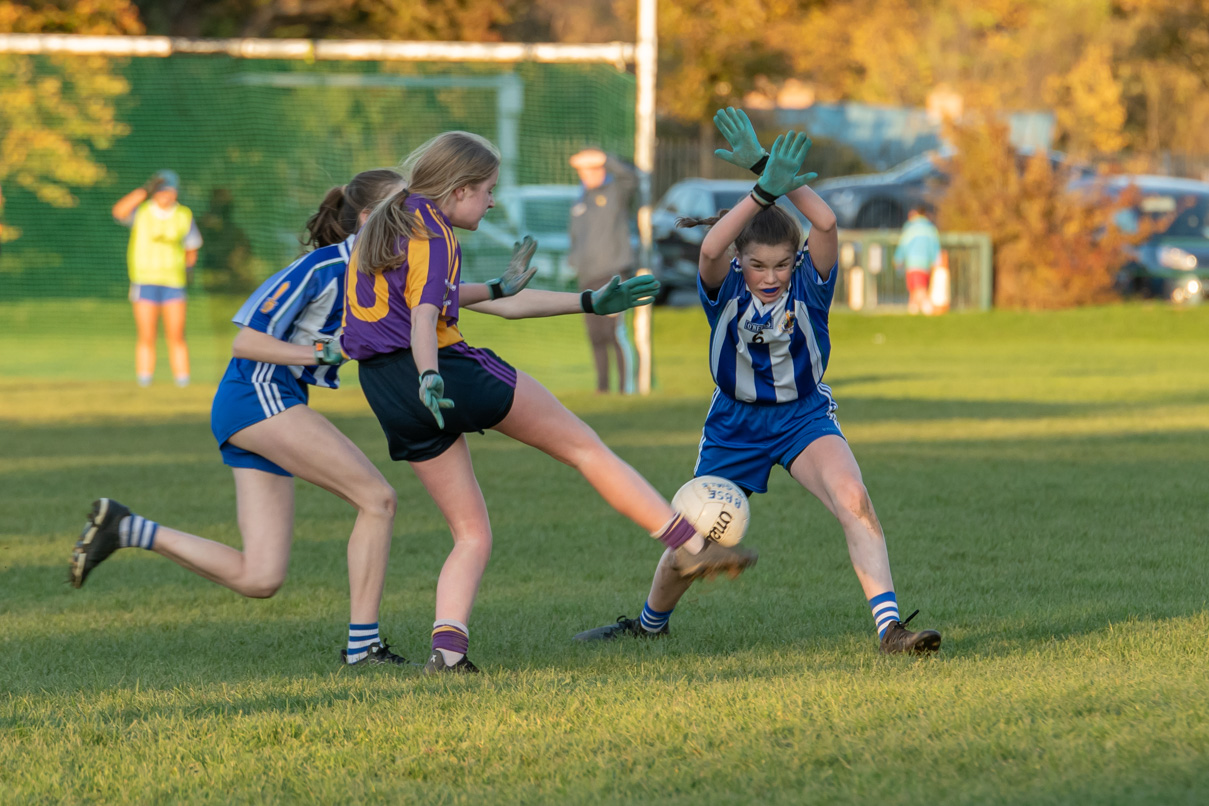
(746, 151)
(432, 394)
(617, 296)
(518, 273)
(784, 161)
(327, 351)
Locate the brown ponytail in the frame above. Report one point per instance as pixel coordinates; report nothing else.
(323, 228)
(772, 226)
(378, 244)
(338, 213)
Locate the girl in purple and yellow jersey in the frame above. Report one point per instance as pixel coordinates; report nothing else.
(163, 248)
(429, 388)
(267, 435)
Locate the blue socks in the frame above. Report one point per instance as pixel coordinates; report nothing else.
(360, 636)
(885, 610)
(137, 531)
(653, 620)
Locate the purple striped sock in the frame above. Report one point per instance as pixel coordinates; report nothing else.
(678, 532)
(450, 638)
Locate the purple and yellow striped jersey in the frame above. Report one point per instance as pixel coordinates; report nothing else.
(377, 311)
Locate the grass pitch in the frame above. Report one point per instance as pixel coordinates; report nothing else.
(1042, 483)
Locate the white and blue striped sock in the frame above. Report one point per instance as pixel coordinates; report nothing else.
(652, 620)
(885, 610)
(360, 636)
(135, 531)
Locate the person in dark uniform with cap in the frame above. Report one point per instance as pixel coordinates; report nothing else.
(600, 248)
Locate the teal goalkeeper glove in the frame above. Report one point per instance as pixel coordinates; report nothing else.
(746, 151)
(617, 296)
(432, 394)
(784, 161)
(327, 352)
(518, 274)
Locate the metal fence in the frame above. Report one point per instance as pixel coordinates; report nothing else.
(868, 281)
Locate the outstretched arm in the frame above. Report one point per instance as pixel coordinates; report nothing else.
(614, 297)
(512, 281)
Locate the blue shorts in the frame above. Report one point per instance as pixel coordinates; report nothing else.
(742, 441)
(251, 392)
(159, 294)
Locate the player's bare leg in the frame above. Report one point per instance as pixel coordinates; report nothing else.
(174, 334)
(146, 318)
(667, 587)
(538, 419)
(828, 469)
(305, 443)
(449, 479)
(265, 507)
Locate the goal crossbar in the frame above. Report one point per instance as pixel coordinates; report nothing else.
(616, 53)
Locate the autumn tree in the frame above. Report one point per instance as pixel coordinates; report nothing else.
(1053, 247)
(455, 20)
(56, 112)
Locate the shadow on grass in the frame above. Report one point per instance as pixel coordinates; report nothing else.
(1004, 545)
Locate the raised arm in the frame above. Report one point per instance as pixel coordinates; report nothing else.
(780, 177)
(824, 239)
(124, 207)
(714, 261)
(624, 174)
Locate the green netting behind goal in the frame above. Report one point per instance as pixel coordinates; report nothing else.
(258, 142)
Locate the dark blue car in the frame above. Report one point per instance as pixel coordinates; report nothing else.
(1172, 263)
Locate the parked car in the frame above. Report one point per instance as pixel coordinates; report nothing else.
(875, 201)
(882, 201)
(677, 249)
(1173, 263)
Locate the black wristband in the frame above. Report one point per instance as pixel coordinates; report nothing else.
(428, 372)
(585, 301)
(763, 195)
(758, 168)
(763, 205)
(496, 289)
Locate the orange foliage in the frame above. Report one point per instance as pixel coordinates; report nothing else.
(1053, 248)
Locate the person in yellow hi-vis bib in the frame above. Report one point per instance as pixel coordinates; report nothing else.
(164, 240)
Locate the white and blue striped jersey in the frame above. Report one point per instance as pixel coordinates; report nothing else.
(774, 353)
(300, 304)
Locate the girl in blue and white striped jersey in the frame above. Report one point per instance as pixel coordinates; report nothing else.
(767, 308)
(288, 342)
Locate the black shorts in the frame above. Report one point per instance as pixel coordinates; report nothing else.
(480, 383)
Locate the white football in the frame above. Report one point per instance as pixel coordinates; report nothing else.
(716, 508)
